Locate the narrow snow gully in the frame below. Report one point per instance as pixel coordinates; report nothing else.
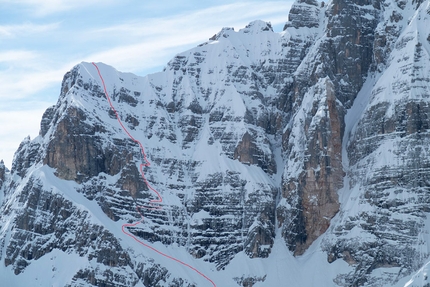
(153, 203)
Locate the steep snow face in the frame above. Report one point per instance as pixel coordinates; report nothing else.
(275, 154)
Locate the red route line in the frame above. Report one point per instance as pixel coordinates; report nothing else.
(159, 199)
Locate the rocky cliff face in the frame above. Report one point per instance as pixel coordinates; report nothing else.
(274, 152)
(387, 148)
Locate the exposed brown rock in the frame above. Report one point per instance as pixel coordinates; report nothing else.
(131, 180)
(324, 174)
(77, 152)
(247, 152)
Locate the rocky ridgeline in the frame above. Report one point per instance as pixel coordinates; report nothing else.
(317, 132)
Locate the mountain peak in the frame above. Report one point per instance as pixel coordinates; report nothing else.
(253, 27)
(257, 26)
(304, 13)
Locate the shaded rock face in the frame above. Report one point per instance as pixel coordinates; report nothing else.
(72, 154)
(322, 178)
(2, 173)
(247, 152)
(77, 149)
(396, 186)
(332, 73)
(350, 44)
(67, 228)
(319, 131)
(55, 230)
(304, 13)
(26, 156)
(387, 153)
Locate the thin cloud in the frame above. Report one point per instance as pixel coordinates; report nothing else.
(16, 87)
(215, 17)
(157, 38)
(9, 31)
(24, 73)
(42, 8)
(17, 128)
(16, 55)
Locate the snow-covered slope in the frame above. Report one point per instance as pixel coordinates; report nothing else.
(294, 158)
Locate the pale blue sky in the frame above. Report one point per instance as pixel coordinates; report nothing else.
(40, 40)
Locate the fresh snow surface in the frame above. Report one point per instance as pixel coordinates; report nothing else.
(55, 269)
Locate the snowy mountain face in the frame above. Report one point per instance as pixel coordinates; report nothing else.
(298, 158)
